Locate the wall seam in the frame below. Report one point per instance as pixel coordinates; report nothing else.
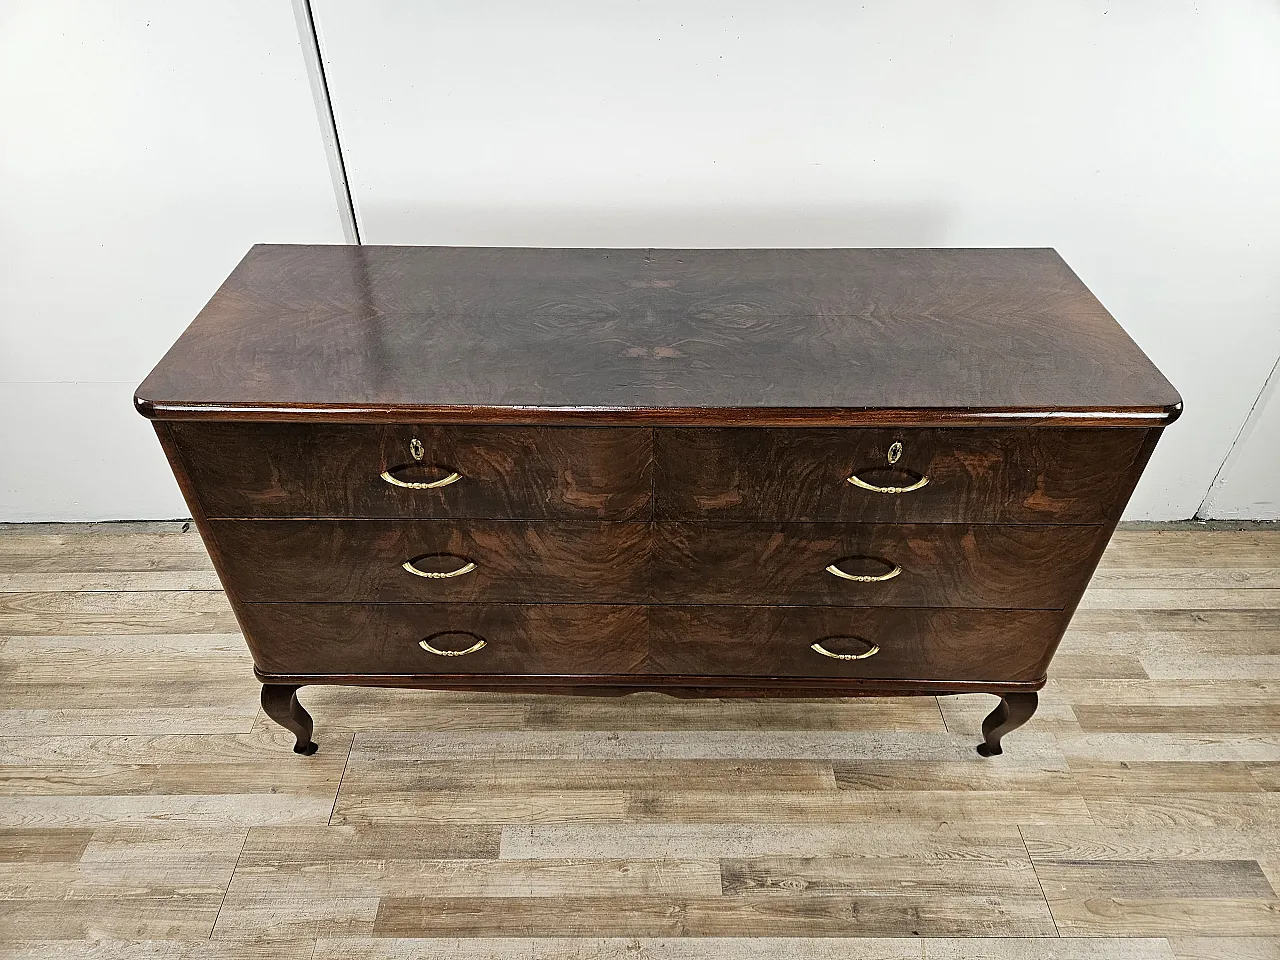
(1255, 411)
(313, 56)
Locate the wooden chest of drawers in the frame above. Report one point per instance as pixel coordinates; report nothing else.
(705, 472)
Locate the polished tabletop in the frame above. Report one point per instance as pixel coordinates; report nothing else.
(750, 337)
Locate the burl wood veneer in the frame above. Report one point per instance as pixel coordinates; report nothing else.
(703, 472)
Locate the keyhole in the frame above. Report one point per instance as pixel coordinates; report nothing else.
(895, 451)
(415, 448)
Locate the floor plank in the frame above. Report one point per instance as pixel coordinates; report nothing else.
(938, 840)
(633, 948)
(42, 845)
(476, 879)
(792, 914)
(863, 877)
(1163, 842)
(1065, 948)
(117, 918)
(1104, 916)
(1215, 948)
(166, 611)
(1174, 879)
(356, 804)
(106, 949)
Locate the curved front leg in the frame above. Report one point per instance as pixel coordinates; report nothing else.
(1013, 711)
(281, 704)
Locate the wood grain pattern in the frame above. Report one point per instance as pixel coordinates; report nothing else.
(991, 476)
(1210, 948)
(965, 565)
(565, 643)
(873, 816)
(1014, 879)
(333, 470)
(339, 639)
(816, 914)
(962, 645)
(628, 948)
(42, 846)
(663, 336)
(546, 562)
(942, 565)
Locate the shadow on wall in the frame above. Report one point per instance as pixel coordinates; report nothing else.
(721, 225)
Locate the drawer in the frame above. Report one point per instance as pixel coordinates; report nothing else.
(489, 560)
(348, 639)
(927, 475)
(998, 646)
(364, 470)
(569, 640)
(905, 565)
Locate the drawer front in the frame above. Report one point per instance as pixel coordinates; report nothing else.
(333, 470)
(905, 565)
(348, 639)
(567, 640)
(486, 560)
(998, 646)
(928, 475)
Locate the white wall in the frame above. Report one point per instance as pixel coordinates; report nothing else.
(145, 147)
(1142, 139)
(1248, 486)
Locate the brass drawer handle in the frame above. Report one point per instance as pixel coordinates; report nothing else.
(453, 477)
(426, 644)
(819, 648)
(857, 481)
(835, 571)
(467, 567)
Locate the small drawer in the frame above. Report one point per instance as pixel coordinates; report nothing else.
(870, 564)
(435, 561)
(897, 475)
(406, 639)
(397, 470)
(882, 643)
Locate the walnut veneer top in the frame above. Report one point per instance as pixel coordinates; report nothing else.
(752, 337)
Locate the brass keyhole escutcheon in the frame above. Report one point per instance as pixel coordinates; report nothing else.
(415, 448)
(895, 451)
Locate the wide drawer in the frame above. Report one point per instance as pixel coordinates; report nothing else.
(926, 475)
(568, 640)
(403, 470)
(435, 561)
(890, 643)
(443, 561)
(868, 564)
(350, 639)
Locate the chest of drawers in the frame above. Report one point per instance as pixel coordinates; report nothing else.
(705, 472)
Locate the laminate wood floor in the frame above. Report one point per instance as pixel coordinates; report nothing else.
(149, 810)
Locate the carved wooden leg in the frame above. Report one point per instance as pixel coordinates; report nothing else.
(280, 701)
(1014, 710)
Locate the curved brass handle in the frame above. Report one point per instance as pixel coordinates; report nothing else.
(453, 477)
(819, 648)
(426, 644)
(467, 567)
(865, 578)
(857, 481)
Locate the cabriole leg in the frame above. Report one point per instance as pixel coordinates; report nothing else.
(1014, 710)
(281, 704)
